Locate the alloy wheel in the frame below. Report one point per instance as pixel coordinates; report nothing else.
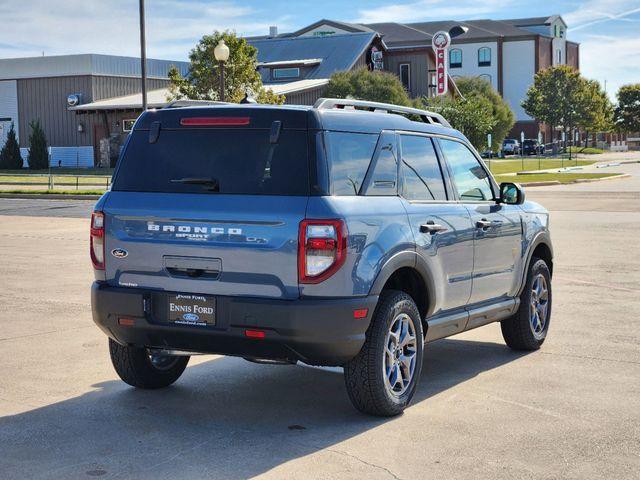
(539, 306)
(400, 350)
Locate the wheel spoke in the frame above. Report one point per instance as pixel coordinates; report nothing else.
(399, 377)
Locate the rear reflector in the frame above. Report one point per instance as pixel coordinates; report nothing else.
(360, 313)
(126, 322)
(214, 121)
(254, 333)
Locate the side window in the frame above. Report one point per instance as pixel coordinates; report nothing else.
(348, 156)
(385, 174)
(469, 176)
(422, 177)
(455, 58)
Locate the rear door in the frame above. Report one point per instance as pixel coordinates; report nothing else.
(441, 227)
(497, 227)
(208, 207)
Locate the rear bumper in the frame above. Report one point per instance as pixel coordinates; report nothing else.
(318, 332)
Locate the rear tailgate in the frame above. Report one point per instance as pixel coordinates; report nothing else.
(209, 244)
(209, 200)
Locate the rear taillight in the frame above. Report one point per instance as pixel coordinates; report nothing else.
(97, 240)
(322, 249)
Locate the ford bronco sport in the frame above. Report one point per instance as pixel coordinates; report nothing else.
(346, 234)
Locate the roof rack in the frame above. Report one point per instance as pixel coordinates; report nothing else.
(192, 103)
(342, 103)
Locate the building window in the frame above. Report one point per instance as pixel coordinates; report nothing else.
(455, 58)
(559, 56)
(485, 77)
(282, 73)
(127, 124)
(405, 76)
(484, 57)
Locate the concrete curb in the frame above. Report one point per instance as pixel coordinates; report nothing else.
(579, 180)
(49, 196)
(541, 184)
(590, 180)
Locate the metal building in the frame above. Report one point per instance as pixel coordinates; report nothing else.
(45, 88)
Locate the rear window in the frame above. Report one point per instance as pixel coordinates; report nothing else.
(225, 161)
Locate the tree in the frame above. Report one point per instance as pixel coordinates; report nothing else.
(594, 110)
(10, 157)
(475, 87)
(363, 84)
(554, 97)
(38, 155)
(241, 74)
(473, 116)
(627, 112)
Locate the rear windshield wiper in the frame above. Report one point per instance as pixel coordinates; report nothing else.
(212, 184)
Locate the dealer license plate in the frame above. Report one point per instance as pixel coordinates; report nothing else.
(188, 309)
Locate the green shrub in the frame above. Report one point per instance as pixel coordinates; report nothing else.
(363, 84)
(10, 157)
(38, 154)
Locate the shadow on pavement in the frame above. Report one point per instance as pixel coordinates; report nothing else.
(225, 418)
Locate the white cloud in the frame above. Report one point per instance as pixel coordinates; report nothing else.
(30, 27)
(593, 12)
(432, 10)
(612, 58)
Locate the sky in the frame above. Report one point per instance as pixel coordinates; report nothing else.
(608, 30)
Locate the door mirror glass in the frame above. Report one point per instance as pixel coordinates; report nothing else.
(511, 193)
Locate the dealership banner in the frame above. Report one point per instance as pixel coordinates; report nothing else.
(440, 42)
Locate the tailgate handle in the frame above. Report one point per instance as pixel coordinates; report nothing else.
(193, 267)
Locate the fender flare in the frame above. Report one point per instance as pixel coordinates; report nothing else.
(540, 238)
(406, 259)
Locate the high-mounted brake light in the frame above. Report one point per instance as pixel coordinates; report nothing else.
(214, 121)
(322, 249)
(97, 240)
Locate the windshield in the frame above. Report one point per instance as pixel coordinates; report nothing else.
(210, 161)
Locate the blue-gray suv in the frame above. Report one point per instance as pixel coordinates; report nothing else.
(346, 234)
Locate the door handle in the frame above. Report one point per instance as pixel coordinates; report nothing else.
(432, 227)
(483, 224)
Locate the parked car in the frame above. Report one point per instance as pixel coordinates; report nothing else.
(510, 146)
(326, 235)
(532, 147)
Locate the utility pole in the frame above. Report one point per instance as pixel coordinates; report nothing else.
(143, 58)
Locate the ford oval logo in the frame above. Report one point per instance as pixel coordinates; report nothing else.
(119, 252)
(191, 317)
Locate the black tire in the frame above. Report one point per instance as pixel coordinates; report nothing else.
(134, 366)
(366, 383)
(518, 331)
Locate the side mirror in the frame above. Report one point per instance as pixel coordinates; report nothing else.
(511, 193)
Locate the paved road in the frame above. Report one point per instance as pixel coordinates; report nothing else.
(571, 410)
(46, 208)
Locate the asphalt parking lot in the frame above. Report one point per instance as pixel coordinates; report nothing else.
(571, 410)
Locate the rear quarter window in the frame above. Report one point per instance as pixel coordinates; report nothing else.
(348, 158)
(239, 161)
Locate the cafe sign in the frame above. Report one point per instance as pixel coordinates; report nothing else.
(440, 43)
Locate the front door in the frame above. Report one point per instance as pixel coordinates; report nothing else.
(441, 227)
(497, 227)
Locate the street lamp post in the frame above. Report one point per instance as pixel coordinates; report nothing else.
(143, 57)
(221, 52)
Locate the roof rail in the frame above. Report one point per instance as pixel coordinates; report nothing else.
(341, 103)
(191, 103)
